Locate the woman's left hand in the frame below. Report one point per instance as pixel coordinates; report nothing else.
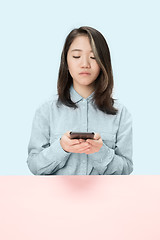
(95, 144)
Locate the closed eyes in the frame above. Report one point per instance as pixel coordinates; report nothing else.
(79, 57)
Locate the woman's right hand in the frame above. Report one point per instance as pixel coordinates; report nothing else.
(74, 145)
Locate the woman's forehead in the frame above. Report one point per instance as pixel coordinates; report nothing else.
(80, 44)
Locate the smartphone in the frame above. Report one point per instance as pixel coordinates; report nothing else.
(82, 135)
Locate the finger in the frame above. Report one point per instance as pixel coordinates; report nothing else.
(73, 142)
(70, 142)
(77, 150)
(84, 150)
(67, 134)
(82, 140)
(94, 143)
(89, 151)
(81, 147)
(77, 141)
(97, 136)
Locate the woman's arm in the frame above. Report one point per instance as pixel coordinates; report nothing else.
(116, 161)
(44, 158)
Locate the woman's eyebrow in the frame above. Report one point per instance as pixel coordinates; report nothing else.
(79, 50)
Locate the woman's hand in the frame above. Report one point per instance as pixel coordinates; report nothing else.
(95, 144)
(80, 145)
(73, 145)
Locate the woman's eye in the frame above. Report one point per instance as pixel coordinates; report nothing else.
(79, 57)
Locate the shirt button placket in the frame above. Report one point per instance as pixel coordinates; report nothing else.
(84, 112)
(85, 128)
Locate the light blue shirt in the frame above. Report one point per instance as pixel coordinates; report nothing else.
(47, 157)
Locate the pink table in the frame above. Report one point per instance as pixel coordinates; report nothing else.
(80, 207)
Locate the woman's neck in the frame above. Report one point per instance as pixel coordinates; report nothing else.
(84, 91)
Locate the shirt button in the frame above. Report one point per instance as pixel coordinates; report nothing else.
(110, 157)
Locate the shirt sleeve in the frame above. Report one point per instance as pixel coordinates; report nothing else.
(44, 158)
(117, 161)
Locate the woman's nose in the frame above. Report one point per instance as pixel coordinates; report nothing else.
(85, 62)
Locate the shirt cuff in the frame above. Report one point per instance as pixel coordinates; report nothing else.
(103, 156)
(57, 152)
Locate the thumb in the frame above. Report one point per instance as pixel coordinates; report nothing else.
(67, 134)
(97, 136)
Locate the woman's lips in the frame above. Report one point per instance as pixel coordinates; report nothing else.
(84, 73)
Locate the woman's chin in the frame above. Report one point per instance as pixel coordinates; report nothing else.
(85, 83)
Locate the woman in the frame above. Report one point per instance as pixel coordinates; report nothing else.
(84, 103)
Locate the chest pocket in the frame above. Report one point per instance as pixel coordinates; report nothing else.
(109, 139)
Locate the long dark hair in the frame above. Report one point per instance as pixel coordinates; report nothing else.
(103, 84)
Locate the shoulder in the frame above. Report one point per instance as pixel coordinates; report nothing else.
(118, 104)
(122, 109)
(46, 106)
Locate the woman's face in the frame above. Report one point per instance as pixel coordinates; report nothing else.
(81, 63)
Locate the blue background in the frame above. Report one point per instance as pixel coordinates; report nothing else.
(31, 41)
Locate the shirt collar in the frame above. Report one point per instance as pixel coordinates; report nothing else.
(75, 97)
